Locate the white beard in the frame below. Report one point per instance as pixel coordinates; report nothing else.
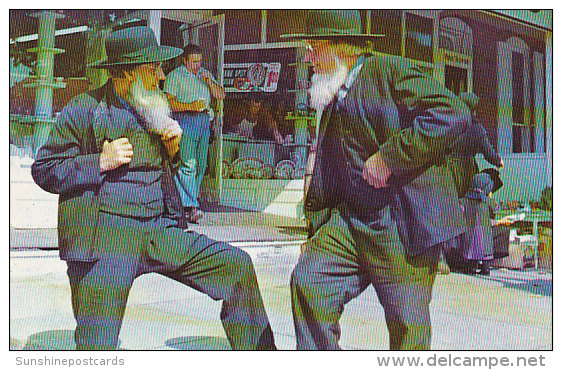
(325, 86)
(152, 106)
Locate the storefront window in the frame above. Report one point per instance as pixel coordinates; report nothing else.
(281, 22)
(455, 36)
(517, 71)
(254, 70)
(170, 34)
(389, 23)
(456, 79)
(259, 139)
(523, 135)
(242, 27)
(419, 38)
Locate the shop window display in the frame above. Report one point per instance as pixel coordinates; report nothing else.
(259, 139)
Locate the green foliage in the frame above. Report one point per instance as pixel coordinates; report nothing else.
(546, 199)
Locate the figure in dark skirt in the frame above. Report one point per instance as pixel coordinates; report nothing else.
(486, 237)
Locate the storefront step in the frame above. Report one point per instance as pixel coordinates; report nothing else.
(280, 197)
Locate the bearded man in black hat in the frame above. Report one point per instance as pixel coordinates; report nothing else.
(111, 157)
(380, 200)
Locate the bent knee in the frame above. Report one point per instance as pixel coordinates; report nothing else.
(301, 276)
(239, 260)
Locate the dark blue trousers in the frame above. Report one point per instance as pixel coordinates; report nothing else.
(130, 247)
(341, 260)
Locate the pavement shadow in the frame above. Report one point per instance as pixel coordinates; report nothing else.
(534, 286)
(41, 239)
(293, 230)
(211, 207)
(51, 340)
(199, 343)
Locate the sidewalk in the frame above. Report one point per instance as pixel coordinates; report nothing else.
(510, 310)
(221, 223)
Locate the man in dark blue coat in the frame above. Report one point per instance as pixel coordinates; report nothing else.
(110, 157)
(461, 160)
(380, 199)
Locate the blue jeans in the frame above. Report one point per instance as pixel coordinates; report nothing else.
(194, 147)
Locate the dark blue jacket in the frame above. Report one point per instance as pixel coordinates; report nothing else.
(413, 120)
(462, 161)
(68, 165)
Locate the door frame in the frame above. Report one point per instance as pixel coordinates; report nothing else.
(193, 36)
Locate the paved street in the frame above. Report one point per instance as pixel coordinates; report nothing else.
(510, 310)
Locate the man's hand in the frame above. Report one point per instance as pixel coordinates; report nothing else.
(501, 164)
(205, 75)
(115, 154)
(171, 137)
(376, 172)
(217, 91)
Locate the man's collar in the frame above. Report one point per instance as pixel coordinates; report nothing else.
(351, 76)
(187, 69)
(113, 99)
(122, 101)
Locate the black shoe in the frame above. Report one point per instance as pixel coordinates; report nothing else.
(485, 268)
(193, 215)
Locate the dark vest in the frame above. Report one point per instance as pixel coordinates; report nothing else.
(346, 182)
(134, 189)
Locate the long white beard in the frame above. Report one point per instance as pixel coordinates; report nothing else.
(325, 86)
(152, 105)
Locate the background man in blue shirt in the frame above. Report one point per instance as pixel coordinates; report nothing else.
(189, 89)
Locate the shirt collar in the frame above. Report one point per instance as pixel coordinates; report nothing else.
(351, 76)
(191, 73)
(125, 104)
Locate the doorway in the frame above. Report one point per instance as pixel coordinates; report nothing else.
(209, 35)
(456, 79)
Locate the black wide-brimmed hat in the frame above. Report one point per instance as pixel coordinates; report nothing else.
(134, 45)
(332, 24)
(495, 175)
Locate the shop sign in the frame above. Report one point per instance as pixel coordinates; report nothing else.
(455, 57)
(251, 77)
